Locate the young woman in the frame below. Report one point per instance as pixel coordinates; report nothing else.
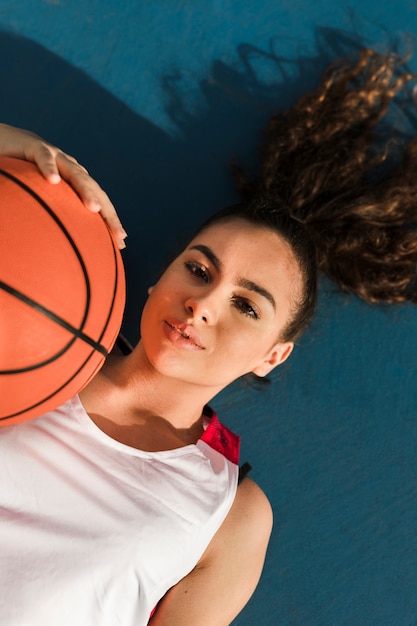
(127, 495)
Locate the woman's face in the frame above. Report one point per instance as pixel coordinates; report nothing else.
(218, 310)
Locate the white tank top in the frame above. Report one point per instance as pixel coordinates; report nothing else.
(94, 532)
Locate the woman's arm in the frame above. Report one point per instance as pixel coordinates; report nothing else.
(55, 164)
(227, 574)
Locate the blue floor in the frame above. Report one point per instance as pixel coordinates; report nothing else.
(156, 98)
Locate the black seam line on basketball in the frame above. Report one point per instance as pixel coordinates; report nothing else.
(72, 340)
(67, 382)
(55, 318)
(61, 225)
(116, 284)
(36, 366)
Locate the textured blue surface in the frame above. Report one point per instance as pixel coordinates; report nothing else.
(155, 98)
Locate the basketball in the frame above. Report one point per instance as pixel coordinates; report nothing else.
(62, 292)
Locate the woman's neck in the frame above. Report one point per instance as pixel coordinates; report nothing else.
(138, 406)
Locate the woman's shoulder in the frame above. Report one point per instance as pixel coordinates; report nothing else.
(247, 526)
(252, 508)
(230, 568)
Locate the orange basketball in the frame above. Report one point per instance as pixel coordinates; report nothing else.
(62, 292)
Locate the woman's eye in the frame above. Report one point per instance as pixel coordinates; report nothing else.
(198, 270)
(245, 307)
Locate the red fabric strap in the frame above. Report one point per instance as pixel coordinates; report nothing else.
(220, 438)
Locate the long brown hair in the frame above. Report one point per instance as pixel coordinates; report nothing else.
(338, 162)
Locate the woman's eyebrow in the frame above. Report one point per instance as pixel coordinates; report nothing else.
(243, 282)
(248, 284)
(208, 252)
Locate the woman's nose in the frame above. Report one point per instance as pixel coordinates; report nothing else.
(202, 308)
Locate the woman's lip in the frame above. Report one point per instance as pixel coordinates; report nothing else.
(183, 335)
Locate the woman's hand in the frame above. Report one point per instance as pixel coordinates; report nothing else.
(55, 164)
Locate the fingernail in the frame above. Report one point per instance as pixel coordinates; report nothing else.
(54, 178)
(93, 204)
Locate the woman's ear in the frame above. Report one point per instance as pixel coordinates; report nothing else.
(277, 355)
